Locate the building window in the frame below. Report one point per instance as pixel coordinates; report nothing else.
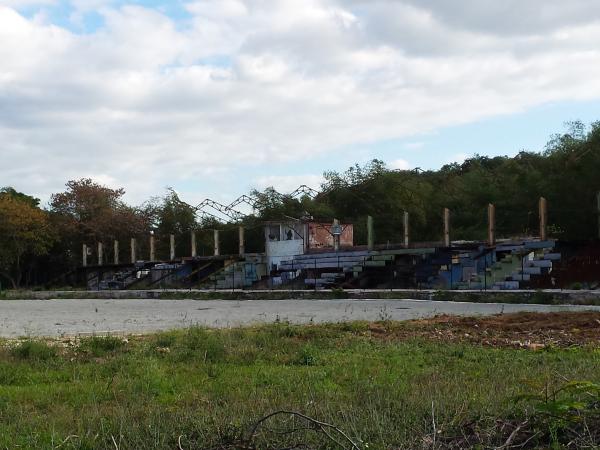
(274, 233)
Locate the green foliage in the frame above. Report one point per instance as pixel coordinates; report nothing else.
(33, 350)
(172, 216)
(25, 234)
(200, 344)
(20, 196)
(100, 345)
(307, 356)
(558, 410)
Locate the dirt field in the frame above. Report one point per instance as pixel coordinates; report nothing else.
(526, 330)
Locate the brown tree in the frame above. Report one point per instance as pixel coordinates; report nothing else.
(88, 212)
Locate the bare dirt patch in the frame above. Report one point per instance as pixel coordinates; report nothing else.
(519, 330)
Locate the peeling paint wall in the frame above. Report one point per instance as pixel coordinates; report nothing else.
(319, 235)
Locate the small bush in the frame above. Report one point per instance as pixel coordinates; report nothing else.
(198, 342)
(100, 345)
(307, 356)
(164, 340)
(33, 350)
(283, 330)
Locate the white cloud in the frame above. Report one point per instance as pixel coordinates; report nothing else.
(399, 164)
(457, 158)
(24, 3)
(149, 101)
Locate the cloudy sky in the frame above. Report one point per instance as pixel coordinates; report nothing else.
(213, 97)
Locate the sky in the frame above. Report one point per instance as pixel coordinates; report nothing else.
(215, 97)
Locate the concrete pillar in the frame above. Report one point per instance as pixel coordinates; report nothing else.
(491, 224)
(172, 246)
(152, 248)
(598, 207)
(193, 243)
(217, 248)
(84, 255)
(100, 253)
(446, 227)
(133, 251)
(406, 229)
(370, 233)
(116, 251)
(242, 241)
(543, 210)
(336, 235)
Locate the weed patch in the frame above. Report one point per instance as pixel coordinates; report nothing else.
(33, 350)
(379, 383)
(101, 345)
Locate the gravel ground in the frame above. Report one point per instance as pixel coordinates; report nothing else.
(54, 318)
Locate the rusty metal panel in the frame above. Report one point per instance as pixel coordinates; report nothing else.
(320, 236)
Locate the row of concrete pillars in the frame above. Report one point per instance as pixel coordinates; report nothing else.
(152, 255)
(543, 217)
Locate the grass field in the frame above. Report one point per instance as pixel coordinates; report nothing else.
(386, 385)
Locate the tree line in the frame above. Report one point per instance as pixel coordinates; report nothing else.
(39, 243)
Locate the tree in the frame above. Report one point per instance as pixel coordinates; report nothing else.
(25, 233)
(88, 212)
(173, 216)
(20, 196)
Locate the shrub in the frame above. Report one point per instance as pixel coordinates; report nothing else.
(198, 342)
(33, 350)
(307, 356)
(100, 345)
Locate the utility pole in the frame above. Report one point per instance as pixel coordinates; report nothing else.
(543, 210)
(370, 234)
(491, 225)
(446, 227)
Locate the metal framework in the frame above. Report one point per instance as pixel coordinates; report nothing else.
(243, 199)
(235, 215)
(223, 209)
(304, 190)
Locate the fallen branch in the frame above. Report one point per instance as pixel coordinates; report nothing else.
(512, 436)
(323, 426)
(67, 439)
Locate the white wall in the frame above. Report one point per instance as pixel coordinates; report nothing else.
(278, 251)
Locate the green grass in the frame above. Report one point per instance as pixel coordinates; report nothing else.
(209, 387)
